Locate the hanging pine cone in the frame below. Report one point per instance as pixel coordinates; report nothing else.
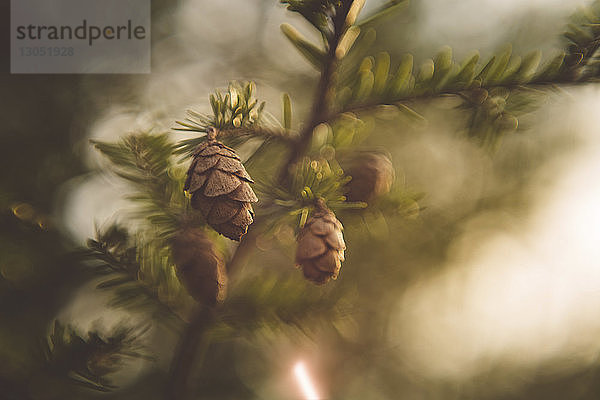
(321, 246)
(219, 186)
(199, 267)
(372, 176)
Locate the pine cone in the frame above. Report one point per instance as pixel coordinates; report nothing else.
(218, 182)
(199, 267)
(372, 176)
(321, 246)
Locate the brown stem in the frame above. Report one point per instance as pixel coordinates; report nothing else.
(183, 361)
(325, 94)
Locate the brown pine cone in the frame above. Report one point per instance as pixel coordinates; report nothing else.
(372, 176)
(219, 186)
(321, 246)
(199, 267)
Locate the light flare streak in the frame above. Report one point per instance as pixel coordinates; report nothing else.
(304, 381)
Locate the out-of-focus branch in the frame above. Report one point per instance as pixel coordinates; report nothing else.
(423, 97)
(185, 355)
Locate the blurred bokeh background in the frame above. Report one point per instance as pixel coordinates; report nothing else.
(491, 292)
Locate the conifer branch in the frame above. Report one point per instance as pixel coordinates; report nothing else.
(128, 271)
(144, 160)
(464, 94)
(325, 93)
(372, 84)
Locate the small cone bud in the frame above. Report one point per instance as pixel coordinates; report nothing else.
(199, 267)
(320, 249)
(478, 96)
(372, 176)
(220, 189)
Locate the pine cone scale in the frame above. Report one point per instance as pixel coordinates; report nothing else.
(220, 183)
(202, 203)
(231, 231)
(244, 217)
(204, 164)
(208, 151)
(320, 227)
(329, 262)
(230, 165)
(314, 274)
(242, 174)
(227, 152)
(310, 246)
(195, 182)
(243, 193)
(335, 239)
(223, 211)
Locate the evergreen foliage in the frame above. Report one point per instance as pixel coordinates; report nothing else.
(297, 165)
(88, 360)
